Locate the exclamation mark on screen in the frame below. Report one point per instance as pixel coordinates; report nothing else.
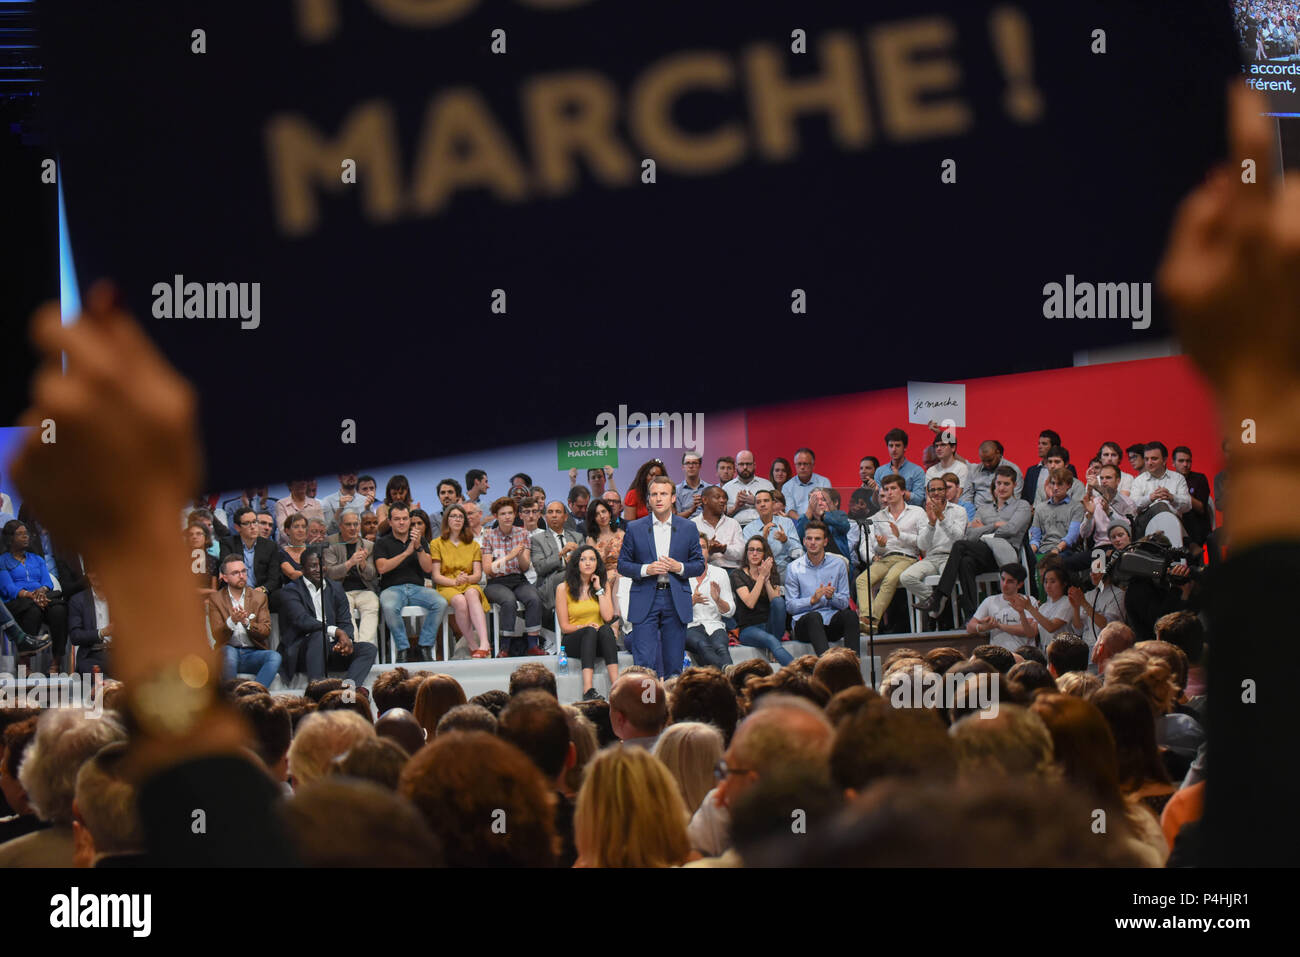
(1014, 45)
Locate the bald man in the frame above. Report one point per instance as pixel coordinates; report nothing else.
(1112, 639)
(781, 731)
(400, 726)
(742, 489)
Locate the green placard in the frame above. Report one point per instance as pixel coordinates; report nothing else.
(583, 452)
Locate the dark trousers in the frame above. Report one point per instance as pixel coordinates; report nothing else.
(591, 643)
(708, 649)
(311, 652)
(966, 560)
(503, 592)
(30, 616)
(819, 634)
(659, 641)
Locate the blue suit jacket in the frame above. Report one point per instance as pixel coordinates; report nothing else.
(639, 549)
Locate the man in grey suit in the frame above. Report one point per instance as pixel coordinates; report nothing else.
(350, 562)
(552, 545)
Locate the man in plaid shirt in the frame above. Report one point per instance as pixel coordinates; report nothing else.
(506, 556)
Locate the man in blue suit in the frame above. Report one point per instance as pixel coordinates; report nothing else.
(661, 553)
(304, 605)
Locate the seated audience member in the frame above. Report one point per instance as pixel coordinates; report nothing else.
(394, 689)
(638, 709)
(291, 553)
(948, 463)
(533, 675)
(484, 799)
(240, 623)
(992, 540)
(824, 506)
(1054, 615)
(1178, 735)
(266, 528)
(17, 736)
(216, 530)
(272, 732)
(106, 828)
(690, 750)
(320, 738)
(760, 608)
(1111, 453)
(1115, 637)
(724, 543)
(705, 694)
(615, 502)
(848, 702)
(891, 546)
(457, 568)
(868, 488)
(1079, 684)
(449, 493)
(90, 627)
(596, 712)
(1160, 497)
(507, 553)
(347, 699)
(741, 672)
(1059, 458)
(953, 489)
(800, 485)
(913, 475)
(204, 567)
(346, 822)
(1184, 630)
(690, 491)
(743, 489)
(464, 717)
(476, 487)
(711, 602)
(607, 836)
(316, 628)
(838, 669)
(296, 503)
(1198, 519)
(817, 595)
(552, 549)
(66, 738)
(1143, 776)
(780, 472)
(438, 694)
(260, 554)
(402, 563)
(880, 742)
(535, 723)
(583, 736)
(941, 659)
(605, 538)
(317, 531)
(779, 531)
(350, 498)
(585, 606)
(1103, 505)
(1092, 610)
(944, 525)
(1055, 527)
(349, 560)
(399, 725)
(781, 733)
(1036, 474)
(725, 467)
(1004, 619)
(636, 501)
(1012, 743)
(255, 498)
(28, 593)
(376, 760)
(1029, 677)
(530, 518)
(1084, 750)
(981, 490)
(1065, 653)
(579, 501)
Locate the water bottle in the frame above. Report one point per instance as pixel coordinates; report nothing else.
(686, 662)
(562, 666)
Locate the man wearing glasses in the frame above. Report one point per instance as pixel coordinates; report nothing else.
(945, 524)
(259, 553)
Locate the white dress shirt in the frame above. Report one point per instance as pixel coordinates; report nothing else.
(727, 531)
(755, 485)
(1146, 483)
(315, 594)
(101, 615)
(707, 613)
(958, 468)
(663, 535)
(936, 540)
(238, 631)
(909, 523)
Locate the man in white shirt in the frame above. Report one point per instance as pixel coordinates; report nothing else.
(893, 546)
(711, 601)
(742, 490)
(945, 524)
(726, 542)
(1004, 620)
(1160, 496)
(312, 604)
(948, 462)
(780, 532)
(801, 484)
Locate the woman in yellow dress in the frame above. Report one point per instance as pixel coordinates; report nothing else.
(457, 568)
(585, 606)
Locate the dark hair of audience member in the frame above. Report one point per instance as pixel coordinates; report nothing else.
(896, 654)
(468, 717)
(1032, 653)
(804, 663)
(249, 687)
(1066, 653)
(468, 784)
(704, 694)
(341, 822)
(321, 687)
(849, 702)
(399, 726)
(881, 741)
(1132, 723)
(763, 819)
(1030, 676)
(582, 735)
(838, 669)
(376, 759)
(227, 687)
(494, 700)
(397, 483)
(298, 707)
(391, 691)
(1083, 747)
(533, 674)
(272, 726)
(438, 694)
(534, 722)
(941, 659)
(349, 700)
(18, 735)
(641, 480)
(787, 681)
(597, 713)
(1184, 629)
(742, 671)
(997, 656)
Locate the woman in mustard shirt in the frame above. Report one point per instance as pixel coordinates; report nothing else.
(457, 568)
(584, 605)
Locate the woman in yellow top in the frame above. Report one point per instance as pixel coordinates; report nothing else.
(584, 605)
(457, 568)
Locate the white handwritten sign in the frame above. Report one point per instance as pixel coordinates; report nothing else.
(936, 402)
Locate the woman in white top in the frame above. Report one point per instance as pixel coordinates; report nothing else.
(1054, 614)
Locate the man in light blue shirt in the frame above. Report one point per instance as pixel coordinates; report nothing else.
(690, 492)
(896, 441)
(798, 488)
(779, 531)
(817, 594)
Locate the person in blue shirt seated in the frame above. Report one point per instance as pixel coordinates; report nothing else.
(896, 441)
(778, 530)
(817, 594)
(28, 593)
